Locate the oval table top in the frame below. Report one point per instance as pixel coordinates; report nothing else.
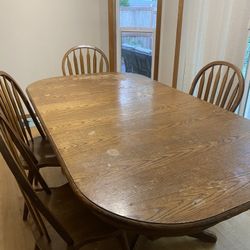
(140, 151)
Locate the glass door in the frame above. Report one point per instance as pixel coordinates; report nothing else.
(136, 36)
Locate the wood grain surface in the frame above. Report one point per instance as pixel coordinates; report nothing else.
(143, 152)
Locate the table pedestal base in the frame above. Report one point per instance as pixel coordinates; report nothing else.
(205, 237)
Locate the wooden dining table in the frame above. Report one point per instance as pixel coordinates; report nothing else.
(145, 156)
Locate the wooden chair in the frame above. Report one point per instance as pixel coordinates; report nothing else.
(84, 59)
(220, 83)
(15, 142)
(18, 147)
(14, 105)
(59, 206)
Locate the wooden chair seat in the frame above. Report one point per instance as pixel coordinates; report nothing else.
(74, 216)
(44, 153)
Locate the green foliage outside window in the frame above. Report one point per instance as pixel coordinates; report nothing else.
(124, 3)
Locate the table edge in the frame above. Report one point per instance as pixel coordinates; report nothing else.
(125, 222)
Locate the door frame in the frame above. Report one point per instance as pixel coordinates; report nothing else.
(178, 43)
(112, 35)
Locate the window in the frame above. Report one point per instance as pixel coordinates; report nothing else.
(137, 35)
(246, 74)
(246, 59)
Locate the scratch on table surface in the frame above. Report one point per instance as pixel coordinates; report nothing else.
(113, 152)
(198, 202)
(91, 133)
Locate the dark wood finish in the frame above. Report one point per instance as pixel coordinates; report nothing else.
(112, 35)
(205, 236)
(17, 148)
(12, 100)
(84, 59)
(220, 83)
(178, 43)
(27, 160)
(14, 105)
(73, 221)
(145, 155)
(157, 39)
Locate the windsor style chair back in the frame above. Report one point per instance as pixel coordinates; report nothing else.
(18, 111)
(14, 104)
(220, 83)
(84, 59)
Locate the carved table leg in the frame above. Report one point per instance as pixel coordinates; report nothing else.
(205, 237)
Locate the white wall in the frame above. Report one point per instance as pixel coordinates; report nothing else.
(35, 34)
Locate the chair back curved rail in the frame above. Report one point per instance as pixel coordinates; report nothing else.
(220, 83)
(84, 59)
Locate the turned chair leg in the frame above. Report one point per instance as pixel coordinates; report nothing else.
(133, 243)
(25, 212)
(124, 241)
(205, 237)
(36, 247)
(35, 182)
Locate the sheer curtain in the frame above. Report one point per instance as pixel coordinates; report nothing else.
(212, 30)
